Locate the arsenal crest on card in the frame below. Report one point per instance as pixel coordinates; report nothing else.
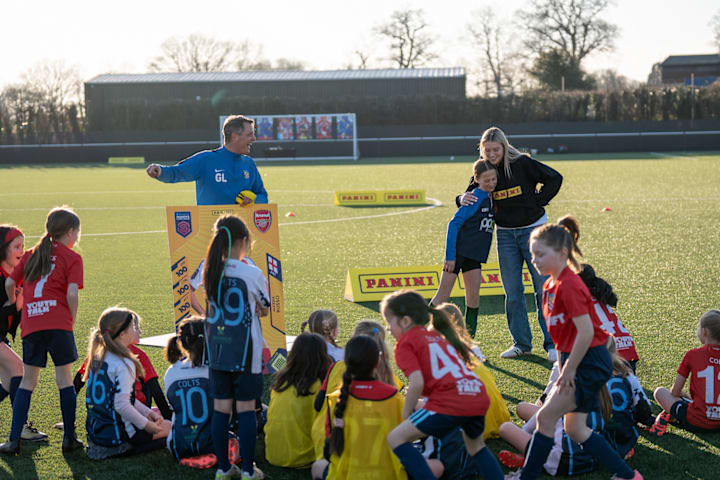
(263, 220)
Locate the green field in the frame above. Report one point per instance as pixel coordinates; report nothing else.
(658, 246)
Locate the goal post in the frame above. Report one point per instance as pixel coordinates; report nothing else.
(316, 136)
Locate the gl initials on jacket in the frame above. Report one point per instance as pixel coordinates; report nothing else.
(220, 176)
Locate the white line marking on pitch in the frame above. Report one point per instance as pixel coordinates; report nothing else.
(8, 194)
(667, 155)
(436, 203)
(47, 209)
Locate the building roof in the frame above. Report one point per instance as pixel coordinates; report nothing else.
(682, 60)
(280, 76)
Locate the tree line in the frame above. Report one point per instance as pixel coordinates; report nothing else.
(529, 68)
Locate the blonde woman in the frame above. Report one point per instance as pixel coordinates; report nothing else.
(519, 208)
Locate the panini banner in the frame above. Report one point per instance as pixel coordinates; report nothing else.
(372, 284)
(380, 197)
(190, 232)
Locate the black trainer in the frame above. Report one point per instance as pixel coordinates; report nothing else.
(11, 447)
(71, 443)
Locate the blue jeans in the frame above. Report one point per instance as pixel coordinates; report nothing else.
(513, 250)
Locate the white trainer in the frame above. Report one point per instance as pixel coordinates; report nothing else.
(513, 352)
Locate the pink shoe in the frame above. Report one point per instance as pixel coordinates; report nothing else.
(637, 476)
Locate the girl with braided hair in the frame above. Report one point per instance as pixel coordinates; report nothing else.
(437, 363)
(364, 410)
(237, 295)
(325, 324)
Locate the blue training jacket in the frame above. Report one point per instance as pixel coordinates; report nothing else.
(470, 230)
(219, 175)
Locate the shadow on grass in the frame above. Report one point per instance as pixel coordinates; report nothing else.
(23, 465)
(527, 358)
(489, 305)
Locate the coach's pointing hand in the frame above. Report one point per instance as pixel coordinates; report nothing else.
(153, 170)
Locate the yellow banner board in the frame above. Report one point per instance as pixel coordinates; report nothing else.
(126, 160)
(372, 284)
(379, 197)
(190, 232)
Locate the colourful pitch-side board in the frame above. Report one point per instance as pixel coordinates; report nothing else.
(190, 230)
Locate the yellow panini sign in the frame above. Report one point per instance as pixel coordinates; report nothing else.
(380, 197)
(372, 284)
(190, 232)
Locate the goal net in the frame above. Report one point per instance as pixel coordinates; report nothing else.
(324, 136)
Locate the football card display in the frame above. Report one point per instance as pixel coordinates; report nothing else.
(264, 128)
(189, 234)
(323, 127)
(303, 127)
(285, 129)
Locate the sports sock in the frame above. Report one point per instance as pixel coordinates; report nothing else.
(14, 385)
(20, 412)
(3, 393)
(486, 463)
(537, 452)
(599, 448)
(414, 462)
(67, 408)
(247, 436)
(219, 430)
(471, 320)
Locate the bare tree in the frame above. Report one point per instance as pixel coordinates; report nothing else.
(495, 44)
(203, 53)
(715, 25)
(571, 27)
(655, 77)
(410, 43)
(22, 107)
(610, 79)
(363, 58)
(56, 86)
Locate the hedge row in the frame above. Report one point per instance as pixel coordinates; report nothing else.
(534, 106)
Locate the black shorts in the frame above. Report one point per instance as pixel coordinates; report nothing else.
(60, 344)
(592, 374)
(143, 442)
(238, 385)
(678, 412)
(465, 264)
(439, 425)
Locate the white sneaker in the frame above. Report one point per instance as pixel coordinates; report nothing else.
(234, 472)
(513, 475)
(32, 434)
(478, 353)
(552, 355)
(257, 474)
(513, 352)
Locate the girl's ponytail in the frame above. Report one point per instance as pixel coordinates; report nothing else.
(172, 350)
(337, 434)
(228, 230)
(39, 263)
(442, 323)
(570, 223)
(599, 288)
(606, 405)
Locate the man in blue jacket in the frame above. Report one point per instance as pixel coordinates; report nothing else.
(220, 174)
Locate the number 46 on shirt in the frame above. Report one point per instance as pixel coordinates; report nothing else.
(444, 361)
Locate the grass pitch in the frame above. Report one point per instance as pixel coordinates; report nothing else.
(658, 246)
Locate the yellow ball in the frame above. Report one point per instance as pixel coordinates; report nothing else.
(249, 194)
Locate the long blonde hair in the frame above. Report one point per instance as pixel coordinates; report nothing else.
(510, 153)
(374, 330)
(110, 324)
